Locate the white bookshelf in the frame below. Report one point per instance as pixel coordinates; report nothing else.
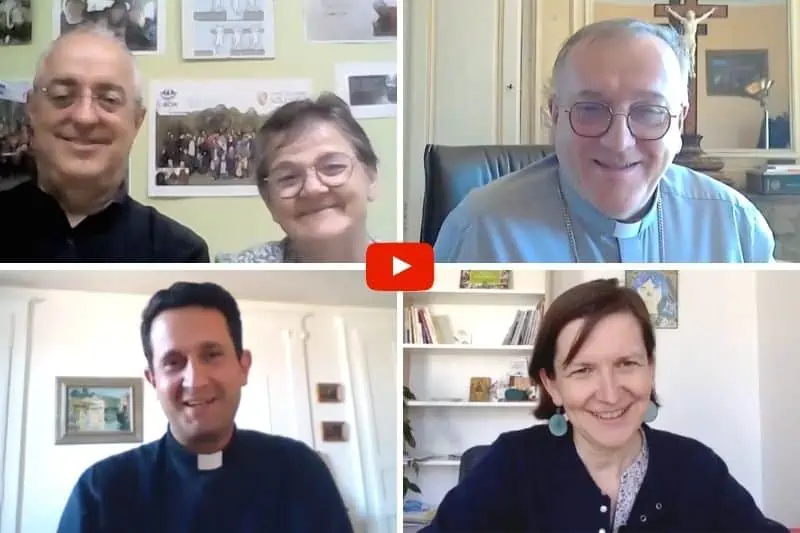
(445, 423)
(466, 404)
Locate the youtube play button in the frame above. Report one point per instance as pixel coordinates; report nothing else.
(400, 266)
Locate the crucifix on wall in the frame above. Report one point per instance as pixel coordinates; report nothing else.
(687, 17)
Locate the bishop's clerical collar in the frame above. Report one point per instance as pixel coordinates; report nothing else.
(597, 222)
(198, 462)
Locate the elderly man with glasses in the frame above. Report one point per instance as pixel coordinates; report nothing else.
(85, 110)
(316, 171)
(611, 192)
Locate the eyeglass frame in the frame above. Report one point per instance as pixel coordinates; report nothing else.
(320, 177)
(627, 115)
(46, 89)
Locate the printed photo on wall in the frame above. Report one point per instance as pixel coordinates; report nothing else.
(201, 133)
(351, 20)
(16, 22)
(659, 290)
(228, 29)
(16, 164)
(370, 88)
(139, 23)
(92, 410)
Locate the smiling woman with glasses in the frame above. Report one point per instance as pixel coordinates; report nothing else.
(316, 171)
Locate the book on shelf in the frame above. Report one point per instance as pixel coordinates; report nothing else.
(523, 329)
(421, 327)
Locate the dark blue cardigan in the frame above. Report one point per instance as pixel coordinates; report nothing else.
(532, 482)
(267, 484)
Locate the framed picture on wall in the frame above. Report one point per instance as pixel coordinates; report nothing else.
(228, 29)
(334, 432)
(16, 22)
(350, 21)
(139, 23)
(94, 410)
(201, 133)
(729, 72)
(16, 163)
(370, 88)
(329, 393)
(659, 290)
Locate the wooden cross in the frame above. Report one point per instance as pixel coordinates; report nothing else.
(682, 7)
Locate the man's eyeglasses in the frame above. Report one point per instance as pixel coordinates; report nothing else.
(64, 96)
(646, 122)
(332, 170)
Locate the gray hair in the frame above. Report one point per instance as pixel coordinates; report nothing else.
(97, 31)
(290, 121)
(622, 27)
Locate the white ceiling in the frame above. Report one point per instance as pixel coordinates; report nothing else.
(346, 288)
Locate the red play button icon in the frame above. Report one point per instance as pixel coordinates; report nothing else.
(399, 266)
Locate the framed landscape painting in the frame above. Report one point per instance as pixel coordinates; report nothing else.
(92, 410)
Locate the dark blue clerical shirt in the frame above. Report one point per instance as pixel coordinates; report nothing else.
(260, 484)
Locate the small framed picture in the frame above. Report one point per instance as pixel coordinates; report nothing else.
(334, 431)
(91, 410)
(485, 279)
(329, 393)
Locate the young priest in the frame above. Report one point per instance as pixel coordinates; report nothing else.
(204, 474)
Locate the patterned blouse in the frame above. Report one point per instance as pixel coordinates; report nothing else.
(268, 252)
(629, 486)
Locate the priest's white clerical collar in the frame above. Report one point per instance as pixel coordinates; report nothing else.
(209, 461)
(597, 222)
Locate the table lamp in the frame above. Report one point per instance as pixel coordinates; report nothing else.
(759, 90)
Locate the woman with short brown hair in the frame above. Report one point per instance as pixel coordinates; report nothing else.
(597, 465)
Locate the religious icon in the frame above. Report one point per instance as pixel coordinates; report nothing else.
(479, 389)
(689, 25)
(659, 290)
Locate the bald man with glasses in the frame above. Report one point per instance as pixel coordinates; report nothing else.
(85, 110)
(610, 192)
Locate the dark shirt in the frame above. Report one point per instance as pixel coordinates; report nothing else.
(266, 484)
(36, 229)
(530, 481)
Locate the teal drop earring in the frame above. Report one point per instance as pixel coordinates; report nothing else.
(652, 412)
(557, 424)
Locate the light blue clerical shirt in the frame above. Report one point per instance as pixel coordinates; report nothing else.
(520, 218)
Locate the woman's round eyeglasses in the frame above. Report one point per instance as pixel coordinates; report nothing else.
(646, 122)
(331, 169)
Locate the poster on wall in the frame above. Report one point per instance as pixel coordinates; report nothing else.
(201, 133)
(370, 88)
(351, 21)
(16, 165)
(16, 22)
(228, 29)
(141, 24)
